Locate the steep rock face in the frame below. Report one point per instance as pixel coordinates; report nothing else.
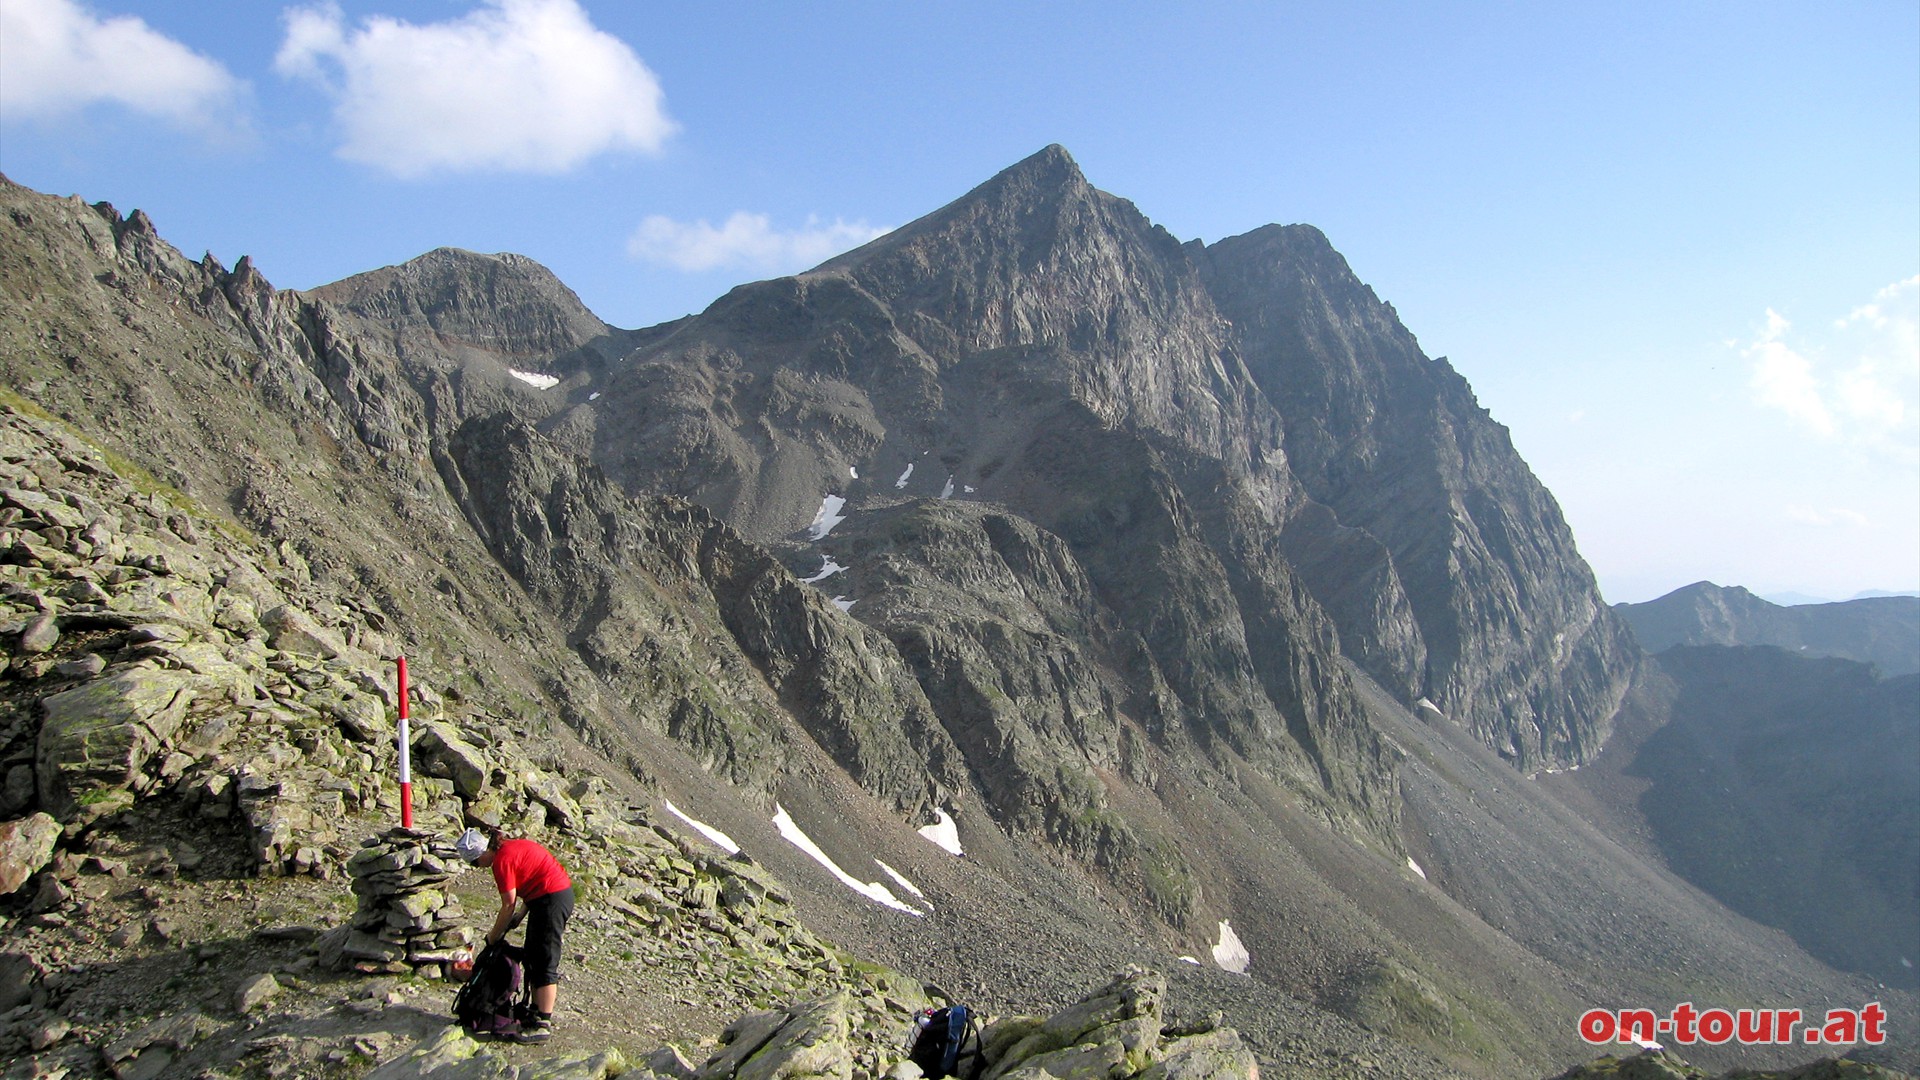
(1028, 672)
(1884, 630)
(1516, 640)
(765, 400)
(1037, 259)
(704, 635)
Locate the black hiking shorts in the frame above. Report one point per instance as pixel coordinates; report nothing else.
(546, 922)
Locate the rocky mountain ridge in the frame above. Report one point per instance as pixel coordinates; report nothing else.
(1883, 630)
(1108, 662)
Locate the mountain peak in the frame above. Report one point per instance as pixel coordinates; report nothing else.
(1043, 185)
(1050, 161)
(504, 302)
(1049, 175)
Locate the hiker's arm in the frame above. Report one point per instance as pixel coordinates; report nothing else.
(505, 919)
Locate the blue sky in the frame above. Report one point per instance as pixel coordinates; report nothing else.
(1675, 247)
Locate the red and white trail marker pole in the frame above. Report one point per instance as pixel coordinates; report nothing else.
(406, 762)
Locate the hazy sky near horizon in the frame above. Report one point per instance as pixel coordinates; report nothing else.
(1674, 247)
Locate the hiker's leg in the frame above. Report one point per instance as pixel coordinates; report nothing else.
(547, 925)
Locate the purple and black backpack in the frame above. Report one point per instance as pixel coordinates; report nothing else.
(492, 1000)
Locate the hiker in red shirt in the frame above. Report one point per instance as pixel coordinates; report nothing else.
(525, 871)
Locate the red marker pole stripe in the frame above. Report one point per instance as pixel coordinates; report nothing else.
(406, 762)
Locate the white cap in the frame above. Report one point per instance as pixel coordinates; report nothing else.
(471, 845)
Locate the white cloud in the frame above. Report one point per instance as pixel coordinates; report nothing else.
(57, 57)
(1859, 384)
(1783, 379)
(745, 241)
(517, 85)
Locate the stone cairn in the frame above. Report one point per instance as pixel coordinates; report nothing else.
(406, 921)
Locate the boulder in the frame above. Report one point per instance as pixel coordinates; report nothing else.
(1125, 1014)
(1087, 1061)
(254, 992)
(45, 1033)
(25, 846)
(362, 717)
(94, 739)
(813, 1042)
(20, 976)
(1214, 1055)
(223, 674)
(17, 790)
(742, 1039)
(600, 1066)
(42, 632)
(561, 811)
(451, 1053)
(291, 630)
(149, 1049)
(668, 1062)
(467, 766)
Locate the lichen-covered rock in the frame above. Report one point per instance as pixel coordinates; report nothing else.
(811, 1042)
(740, 1041)
(603, 1065)
(1115, 1033)
(292, 630)
(39, 635)
(449, 1054)
(1083, 1061)
(1125, 1014)
(95, 738)
(1213, 1055)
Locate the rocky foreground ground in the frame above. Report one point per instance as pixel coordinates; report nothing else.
(200, 875)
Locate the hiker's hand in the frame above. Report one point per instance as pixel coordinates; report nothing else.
(504, 921)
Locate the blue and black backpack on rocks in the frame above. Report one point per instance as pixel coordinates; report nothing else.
(939, 1042)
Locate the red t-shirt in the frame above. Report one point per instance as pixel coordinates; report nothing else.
(530, 869)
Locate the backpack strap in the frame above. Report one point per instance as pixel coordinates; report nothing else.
(978, 1053)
